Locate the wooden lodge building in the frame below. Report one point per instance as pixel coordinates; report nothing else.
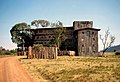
(81, 37)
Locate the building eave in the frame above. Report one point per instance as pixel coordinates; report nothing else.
(43, 28)
(88, 29)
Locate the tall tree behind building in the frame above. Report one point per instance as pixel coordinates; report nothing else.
(59, 34)
(38, 23)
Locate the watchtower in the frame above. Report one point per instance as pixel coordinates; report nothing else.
(86, 38)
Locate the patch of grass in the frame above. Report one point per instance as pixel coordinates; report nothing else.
(1, 56)
(75, 69)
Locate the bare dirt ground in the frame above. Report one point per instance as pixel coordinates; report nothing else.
(11, 70)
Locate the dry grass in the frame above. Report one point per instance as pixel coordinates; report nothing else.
(74, 69)
(109, 54)
(1, 56)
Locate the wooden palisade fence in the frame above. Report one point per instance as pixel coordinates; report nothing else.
(42, 52)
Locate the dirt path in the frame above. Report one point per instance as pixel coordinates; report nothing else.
(11, 71)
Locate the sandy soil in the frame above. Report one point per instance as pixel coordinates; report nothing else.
(11, 70)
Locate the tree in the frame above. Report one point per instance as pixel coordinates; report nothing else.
(16, 32)
(1, 48)
(21, 35)
(107, 40)
(42, 23)
(59, 34)
(57, 24)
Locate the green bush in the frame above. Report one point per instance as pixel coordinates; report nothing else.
(117, 52)
(8, 52)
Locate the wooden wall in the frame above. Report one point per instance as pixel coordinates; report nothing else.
(42, 52)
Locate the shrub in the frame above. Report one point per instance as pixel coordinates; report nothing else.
(117, 52)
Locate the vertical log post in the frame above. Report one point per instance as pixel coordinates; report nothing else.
(29, 52)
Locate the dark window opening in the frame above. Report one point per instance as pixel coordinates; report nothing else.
(44, 42)
(76, 36)
(82, 48)
(93, 39)
(37, 37)
(41, 36)
(88, 33)
(45, 36)
(49, 36)
(92, 33)
(82, 45)
(93, 47)
(82, 32)
(39, 31)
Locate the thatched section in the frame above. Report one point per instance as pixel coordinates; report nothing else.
(42, 52)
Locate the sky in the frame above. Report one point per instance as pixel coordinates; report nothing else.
(104, 14)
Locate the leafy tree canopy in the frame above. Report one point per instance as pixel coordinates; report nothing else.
(42, 23)
(20, 33)
(57, 24)
(59, 34)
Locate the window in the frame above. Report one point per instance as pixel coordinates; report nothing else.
(76, 36)
(93, 47)
(40, 31)
(44, 43)
(89, 25)
(40, 42)
(88, 33)
(82, 25)
(82, 48)
(93, 34)
(49, 36)
(37, 42)
(36, 37)
(41, 36)
(37, 31)
(82, 32)
(45, 36)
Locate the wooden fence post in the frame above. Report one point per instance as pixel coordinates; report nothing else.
(29, 52)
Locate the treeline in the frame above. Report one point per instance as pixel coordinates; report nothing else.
(22, 35)
(3, 51)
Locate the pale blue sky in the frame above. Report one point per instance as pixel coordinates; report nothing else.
(104, 14)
